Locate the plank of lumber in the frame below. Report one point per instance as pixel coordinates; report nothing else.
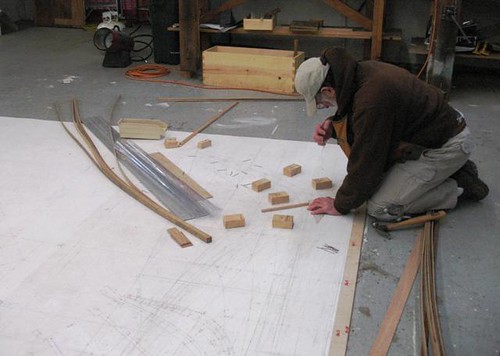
(179, 237)
(341, 325)
(179, 173)
(233, 98)
(391, 320)
(206, 124)
(285, 207)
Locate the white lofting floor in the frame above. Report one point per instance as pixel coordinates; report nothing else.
(88, 270)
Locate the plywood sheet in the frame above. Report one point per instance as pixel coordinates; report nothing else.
(87, 270)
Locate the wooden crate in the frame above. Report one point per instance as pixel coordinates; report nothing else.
(252, 68)
(259, 24)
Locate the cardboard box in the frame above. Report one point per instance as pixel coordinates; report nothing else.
(259, 24)
(251, 68)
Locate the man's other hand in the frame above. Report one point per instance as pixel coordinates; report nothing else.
(323, 132)
(323, 205)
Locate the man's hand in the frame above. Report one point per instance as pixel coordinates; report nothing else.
(323, 132)
(323, 206)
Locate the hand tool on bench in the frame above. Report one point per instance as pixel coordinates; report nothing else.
(383, 229)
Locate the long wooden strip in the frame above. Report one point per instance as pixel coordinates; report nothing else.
(342, 322)
(391, 320)
(439, 333)
(179, 173)
(132, 190)
(424, 336)
(208, 123)
(429, 285)
(284, 207)
(234, 98)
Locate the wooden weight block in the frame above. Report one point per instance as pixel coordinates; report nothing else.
(283, 221)
(292, 170)
(278, 198)
(322, 183)
(261, 184)
(171, 143)
(179, 237)
(204, 143)
(234, 220)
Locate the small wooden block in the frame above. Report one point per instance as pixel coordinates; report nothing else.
(283, 221)
(261, 184)
(234, 220)
(278, 198)
(171, 143)
(204, 143)
(292, 170)
(179, 237)
(322, 183)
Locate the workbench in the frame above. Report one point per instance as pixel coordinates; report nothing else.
(194, 12)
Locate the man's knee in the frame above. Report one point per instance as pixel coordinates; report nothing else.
(384, 212)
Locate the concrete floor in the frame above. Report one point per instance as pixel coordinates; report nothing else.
(35, 62)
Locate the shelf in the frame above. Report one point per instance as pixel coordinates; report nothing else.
(324, 32)
(191, 12)
(461, 58)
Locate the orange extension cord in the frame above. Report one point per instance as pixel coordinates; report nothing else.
(148, 72)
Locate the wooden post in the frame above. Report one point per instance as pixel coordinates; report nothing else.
(189, 37)
(377, 29)
(440, 67)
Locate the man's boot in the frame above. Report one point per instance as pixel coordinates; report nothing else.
(468, 179)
